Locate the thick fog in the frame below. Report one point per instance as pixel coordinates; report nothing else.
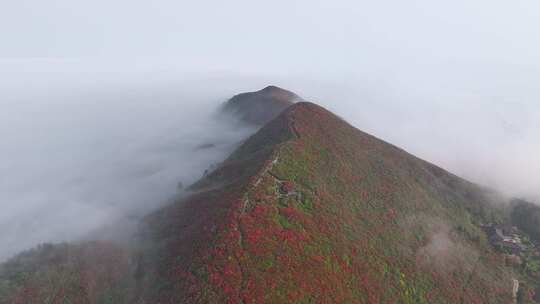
(103, 105)
(484, 126)
(76, 159)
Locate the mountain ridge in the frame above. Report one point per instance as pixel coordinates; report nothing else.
(240, 262)
(309, 209)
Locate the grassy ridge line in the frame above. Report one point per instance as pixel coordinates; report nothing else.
(357, 224)
(307, 210)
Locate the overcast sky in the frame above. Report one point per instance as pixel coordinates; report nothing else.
(454, 82)
(332, 34)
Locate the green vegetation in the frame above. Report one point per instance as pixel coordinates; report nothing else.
(526, 216)
(333, 214)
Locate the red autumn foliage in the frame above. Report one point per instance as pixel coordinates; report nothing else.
(342, 238)
(309, 209)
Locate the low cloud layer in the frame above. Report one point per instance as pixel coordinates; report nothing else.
(77, 159)
(483, 126)
(442, 253)
(478, 120)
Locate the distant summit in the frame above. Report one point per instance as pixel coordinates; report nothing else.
(261, 106)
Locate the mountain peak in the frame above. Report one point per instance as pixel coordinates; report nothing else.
(311, 209)
(272, 89)
(308, 209)
(259, 107)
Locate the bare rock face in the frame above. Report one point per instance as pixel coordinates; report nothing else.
(260, 107)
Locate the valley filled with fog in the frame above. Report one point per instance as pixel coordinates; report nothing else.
(75, 164)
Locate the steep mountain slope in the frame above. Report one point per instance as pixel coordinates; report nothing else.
(93, 272)
(312, 210)
(307, 210)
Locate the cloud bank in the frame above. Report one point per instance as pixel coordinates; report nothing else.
(75, 163)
